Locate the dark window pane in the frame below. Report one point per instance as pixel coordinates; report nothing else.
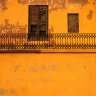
(33, 28)
(73, 22)
(42, 17)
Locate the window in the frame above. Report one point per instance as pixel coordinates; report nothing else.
(38, 20)
(73, 22)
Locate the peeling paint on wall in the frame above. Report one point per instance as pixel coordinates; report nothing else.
(11, 28)
(82, 2)
(53, 4)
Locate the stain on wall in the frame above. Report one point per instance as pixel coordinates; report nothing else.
(3, 4)
(90, 14)
(82, 2)
(5, 91)
(22, 1)
(51, 29)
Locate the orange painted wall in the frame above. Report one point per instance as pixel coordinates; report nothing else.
(49, 74)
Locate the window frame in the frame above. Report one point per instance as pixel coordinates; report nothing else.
(39, 23)
(77, 30)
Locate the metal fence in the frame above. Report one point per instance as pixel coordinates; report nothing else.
(20, 42)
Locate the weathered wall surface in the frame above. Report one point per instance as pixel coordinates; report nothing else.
(16, 11)
(48, 74)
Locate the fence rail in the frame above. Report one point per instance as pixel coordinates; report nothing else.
(19, 42)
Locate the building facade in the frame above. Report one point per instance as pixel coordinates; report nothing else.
(48, 24)
(70, 28)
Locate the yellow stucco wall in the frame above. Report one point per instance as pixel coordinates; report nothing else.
(58, 74)
(48, 74)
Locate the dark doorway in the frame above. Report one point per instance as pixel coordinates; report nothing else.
(73, 22)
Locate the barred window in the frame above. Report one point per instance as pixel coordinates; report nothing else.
(38, 20)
